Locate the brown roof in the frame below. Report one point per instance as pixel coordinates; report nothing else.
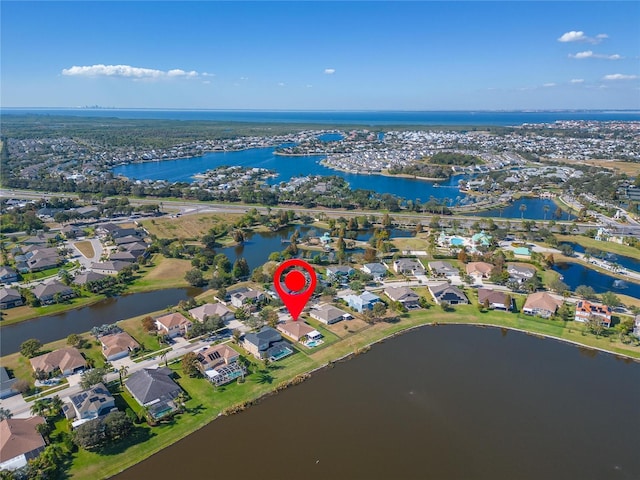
(209, 309)
(19, 436)
(481, 267)
(494, 296)
(542, 301)
(118, 342)
(173, 320)
(295, 329)
(215, 354)
(66, 359)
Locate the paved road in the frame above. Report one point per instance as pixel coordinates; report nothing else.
(21, 409)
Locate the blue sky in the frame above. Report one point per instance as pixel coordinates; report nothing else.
(321, 55)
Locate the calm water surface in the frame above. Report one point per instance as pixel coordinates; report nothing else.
(575, 274)
(55, 327)
(451, 402)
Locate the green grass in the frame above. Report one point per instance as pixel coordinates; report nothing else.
(206, 402)
(18, 314)
(588, 242)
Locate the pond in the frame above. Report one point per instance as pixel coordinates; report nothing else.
(448, 402)
(575, 274)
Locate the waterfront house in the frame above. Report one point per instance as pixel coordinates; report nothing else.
(403, 295)
(20, 442)
(68, 360)
(48, 293)
(88, 277)
(339, 272)
(155, 389)
(408, 266)
(89, 404)
(519, 272)
(377, 270)
(329, 314)
(118, 345)
(542, 304)
(297, 330)
(209, 310)
(111, 267)
(267, 343)
(6, 384)
(362, 302)
(219, 363)
(173, 324)
(9, 298)
(586, 310)
(495, 298)
(216, 355)
(443, 269)
(8, 275)
(478, 270)
(448, 294)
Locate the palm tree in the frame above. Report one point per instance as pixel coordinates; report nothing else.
(55, 407)
(39, 407)
(123, 371)
(523, 208)
(164, 358)
(546, 209)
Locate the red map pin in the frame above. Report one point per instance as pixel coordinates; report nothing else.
(299, 284)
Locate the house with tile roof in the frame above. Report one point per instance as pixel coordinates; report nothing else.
(118, 345)
(68, 360)
(173, 324)
(586, 310)
(209, 310)
(496, 299)
(19, 442)
(542, 304)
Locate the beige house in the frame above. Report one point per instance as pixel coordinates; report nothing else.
(118, 345)
(217, 355)
(19, 442)
(69, 360)
(403, 295)
(173, 324)
(211, 309)
(542, 304)
(478, 270)
(296, 330)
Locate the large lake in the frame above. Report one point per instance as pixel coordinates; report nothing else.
(183, 170)
(449, 402)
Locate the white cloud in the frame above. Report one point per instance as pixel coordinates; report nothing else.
(329, 71)
(309, 86)
(547, 85)
(619, 76)
(244, 78)
(281, 84)
(576, 80)
(579, 36)
(206, 82)
(127, 71)
(590, 54)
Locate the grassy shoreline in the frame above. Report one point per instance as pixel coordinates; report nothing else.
(205, 404)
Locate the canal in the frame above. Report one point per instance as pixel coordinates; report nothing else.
(449, 402)
(55, 327)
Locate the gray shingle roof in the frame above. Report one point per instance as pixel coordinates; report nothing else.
(150, 384)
